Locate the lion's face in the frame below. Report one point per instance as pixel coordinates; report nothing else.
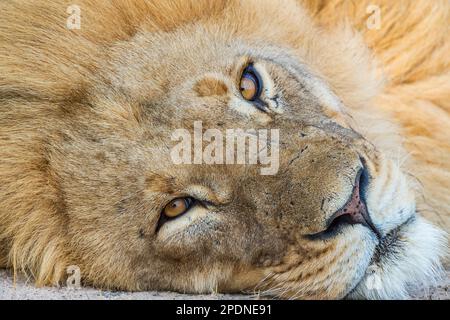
(335, 212)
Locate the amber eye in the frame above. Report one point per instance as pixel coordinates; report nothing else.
(251, 84)
(177, 207)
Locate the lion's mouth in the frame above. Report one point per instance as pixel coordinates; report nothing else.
(407, 257)
(390, 244)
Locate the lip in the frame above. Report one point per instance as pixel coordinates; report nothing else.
(389, 242)
(387, 245)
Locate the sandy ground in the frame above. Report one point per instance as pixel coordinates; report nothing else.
(24, 290)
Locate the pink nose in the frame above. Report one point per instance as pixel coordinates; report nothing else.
(355, 210)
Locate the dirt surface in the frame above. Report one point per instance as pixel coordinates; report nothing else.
(24, 290)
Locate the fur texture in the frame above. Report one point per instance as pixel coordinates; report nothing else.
(86, 118)
(411, 48)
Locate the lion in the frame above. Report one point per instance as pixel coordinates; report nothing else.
(91, 95)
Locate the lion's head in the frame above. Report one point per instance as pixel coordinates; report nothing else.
(89, 177)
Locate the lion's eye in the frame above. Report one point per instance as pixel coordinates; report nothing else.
(251, 84)
(177, 207)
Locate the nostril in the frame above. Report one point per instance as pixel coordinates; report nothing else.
(355, 210)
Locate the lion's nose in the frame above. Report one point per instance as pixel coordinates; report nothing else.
(355, 210)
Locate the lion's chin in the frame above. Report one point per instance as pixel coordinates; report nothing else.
(407, 258)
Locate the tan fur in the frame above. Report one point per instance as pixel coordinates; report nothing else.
(86, 117)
